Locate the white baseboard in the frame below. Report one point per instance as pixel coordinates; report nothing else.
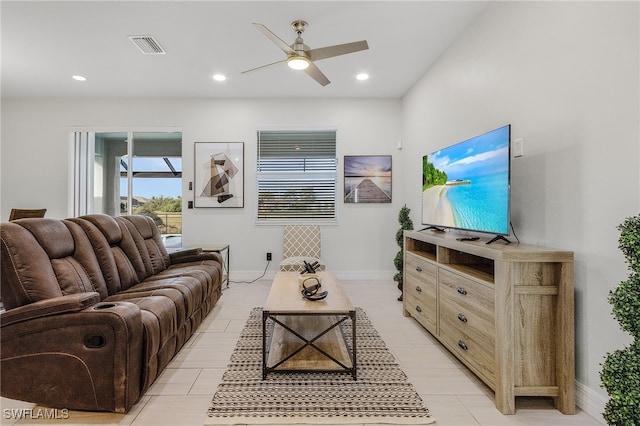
(590, 401)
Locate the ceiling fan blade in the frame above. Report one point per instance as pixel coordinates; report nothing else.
(337, 50)
(274, 38)
(314, 72)
(264, 66)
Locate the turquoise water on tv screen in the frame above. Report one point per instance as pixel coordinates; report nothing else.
(483, 205)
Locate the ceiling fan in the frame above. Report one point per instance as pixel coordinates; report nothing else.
(301, 57)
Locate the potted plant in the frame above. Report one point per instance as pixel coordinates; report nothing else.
(620, 373)
(405, 224)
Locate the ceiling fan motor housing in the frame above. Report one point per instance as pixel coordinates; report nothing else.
(300, 48)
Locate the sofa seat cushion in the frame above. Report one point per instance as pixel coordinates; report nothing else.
(191, 290)
(159, 324)
(204, 271)
(164, 318)
(182, 312)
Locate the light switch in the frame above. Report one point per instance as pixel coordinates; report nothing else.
(518, 148)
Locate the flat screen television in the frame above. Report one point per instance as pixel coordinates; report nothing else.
(466, 186)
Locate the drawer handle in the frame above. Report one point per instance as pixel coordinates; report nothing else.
(462, 290)
(419, 269)
(462, 345)
(418, 308)
(419, 289)
(462, 318)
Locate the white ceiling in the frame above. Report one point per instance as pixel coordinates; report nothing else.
(45, 43)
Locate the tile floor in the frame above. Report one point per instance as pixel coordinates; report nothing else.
(181, 395)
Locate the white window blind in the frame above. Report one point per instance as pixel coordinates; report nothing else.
(297, 175)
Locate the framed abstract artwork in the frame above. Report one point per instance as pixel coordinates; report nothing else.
(219, 174)
(367, 178)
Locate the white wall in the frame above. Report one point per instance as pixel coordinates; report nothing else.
(36, 162)
(565, 75)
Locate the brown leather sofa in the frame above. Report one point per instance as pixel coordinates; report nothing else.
(95, 309)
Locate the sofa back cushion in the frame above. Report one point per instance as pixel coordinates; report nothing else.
(129, 248)
(148, 241)
(46, 258)
(117, 255)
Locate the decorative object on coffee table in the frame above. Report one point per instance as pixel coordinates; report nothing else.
(382, 393)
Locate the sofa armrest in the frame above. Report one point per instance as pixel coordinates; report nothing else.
(191, 255)
(54, 306)
(173, 256)
(80, 359)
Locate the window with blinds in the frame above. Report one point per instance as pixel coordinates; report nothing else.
(297, 175)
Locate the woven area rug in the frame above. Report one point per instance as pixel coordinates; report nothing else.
(381, 394)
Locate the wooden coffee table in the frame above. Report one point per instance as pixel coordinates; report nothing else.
(306, 335)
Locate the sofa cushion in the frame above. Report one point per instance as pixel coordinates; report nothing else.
(146, 237)
(174, 294)
(21, 282)
(117, 258)
(85, 256)
(191, 289)
(45, 258)
(52, 235)
(204, 271)
(159, 321)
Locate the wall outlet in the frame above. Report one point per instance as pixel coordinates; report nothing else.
(268, 257)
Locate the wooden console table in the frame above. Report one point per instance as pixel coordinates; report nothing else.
(506, 311)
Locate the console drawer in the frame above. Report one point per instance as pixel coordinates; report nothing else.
(422, 309)
(420, 270)
(472, 350)
(420, 291)
(467, 295)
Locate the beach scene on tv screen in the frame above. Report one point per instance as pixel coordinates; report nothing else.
(466, 185)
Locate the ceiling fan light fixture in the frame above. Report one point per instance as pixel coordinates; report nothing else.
(298, 63)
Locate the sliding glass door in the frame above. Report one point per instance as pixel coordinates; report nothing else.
(119, 173)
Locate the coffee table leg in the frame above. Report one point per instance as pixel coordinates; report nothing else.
(353, 333)
(265, 315)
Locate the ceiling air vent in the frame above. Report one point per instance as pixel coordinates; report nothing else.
(147, 45)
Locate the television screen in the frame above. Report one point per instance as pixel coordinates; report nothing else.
(466, 185)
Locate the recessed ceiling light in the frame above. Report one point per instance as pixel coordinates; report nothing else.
(362, 76)
(79, 78)
(219, 77)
